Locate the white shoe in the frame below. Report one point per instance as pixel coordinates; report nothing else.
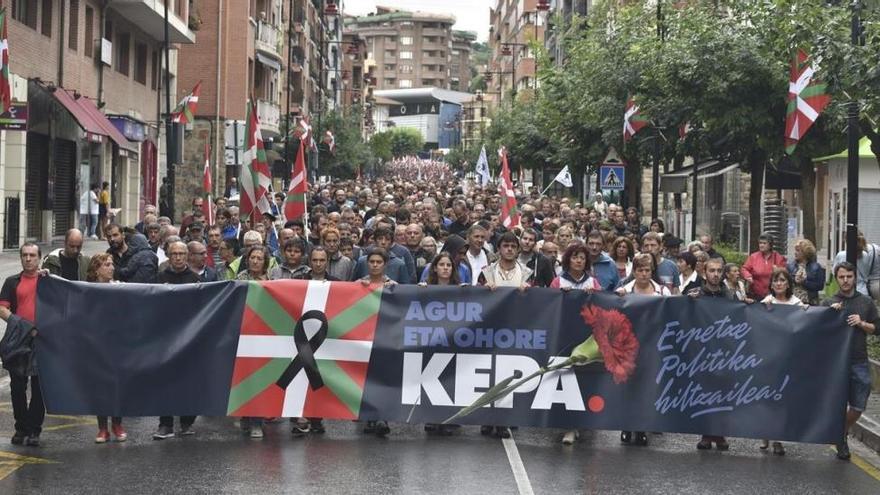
(570, 437)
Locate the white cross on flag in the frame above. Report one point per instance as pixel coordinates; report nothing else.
(807, 98)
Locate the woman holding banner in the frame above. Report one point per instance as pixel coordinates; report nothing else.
(376, 261)
(781, 292)
(643, 284)
(441, 271)
(101, 271)
(256, 258)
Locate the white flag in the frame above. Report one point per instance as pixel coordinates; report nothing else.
(564, 177)
(483, 168)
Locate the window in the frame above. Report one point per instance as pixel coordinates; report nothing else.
(154, 75)
(405, 83)
(389, 82)
(46, 24)
(25, 11)
(108, 30)
(406, 40)
(90, 32)
(390, 53)
(123, 49)
(456, 53)
(140, 63)
(406, 55)
(390, 67)
(73, 30)
(406, 23)
(406, 69)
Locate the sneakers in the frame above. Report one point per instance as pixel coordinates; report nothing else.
(382, 428)
(163, 432)
(256, 432)
(119, 433)
(300, 427)
(186, 431)
(317, 426)
(18, 438)
(843, 450)
(103, 436)
(570, 437)
(32, 441)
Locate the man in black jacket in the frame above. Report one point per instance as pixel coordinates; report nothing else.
(135, 262)
(541, 266)
(177, 272)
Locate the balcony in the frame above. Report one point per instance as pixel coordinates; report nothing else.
(269, 39)
(434, 32)
(149, 16)
(270, 117)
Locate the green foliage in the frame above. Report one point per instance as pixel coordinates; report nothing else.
(730, 253)
(396, 142)
(351, 152)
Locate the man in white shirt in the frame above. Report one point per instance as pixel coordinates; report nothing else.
(88, 212)
(477, 256)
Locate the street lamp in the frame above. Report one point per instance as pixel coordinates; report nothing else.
(507, 49)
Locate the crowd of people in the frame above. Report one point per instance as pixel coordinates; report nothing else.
(413, 229)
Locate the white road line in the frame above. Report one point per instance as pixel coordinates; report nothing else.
(4, 381)
(519, 470)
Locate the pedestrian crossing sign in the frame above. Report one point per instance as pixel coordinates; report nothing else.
(611, 177)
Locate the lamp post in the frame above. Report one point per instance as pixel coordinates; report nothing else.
(852, 178)
(507, 49)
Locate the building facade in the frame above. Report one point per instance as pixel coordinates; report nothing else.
(563, 10)
(512, 65)
(86, 77)
(287, 55)
(435, 113)
(413, 49)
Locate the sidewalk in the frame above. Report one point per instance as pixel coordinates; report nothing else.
(867, 430)
(10, 263)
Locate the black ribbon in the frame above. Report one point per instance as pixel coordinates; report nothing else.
(305, 351)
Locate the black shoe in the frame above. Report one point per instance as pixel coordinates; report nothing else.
(722, 445)
(32, 441)
(704, 444)
(430, 427)
(186, 431)
(317, 426)
(18, 438)
(641, 439)
(843, 450)
(486, 430)
(626, 436)
(300, 428)
(166, 432)
(382, 428)
(446, 430)
(370, 427)
(502, 432)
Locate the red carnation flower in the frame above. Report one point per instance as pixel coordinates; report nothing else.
(614, 335)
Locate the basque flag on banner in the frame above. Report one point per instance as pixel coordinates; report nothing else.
(303, 349)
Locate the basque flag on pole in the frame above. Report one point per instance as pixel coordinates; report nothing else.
(295, 202)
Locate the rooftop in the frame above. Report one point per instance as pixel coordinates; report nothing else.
(421, 94)
(390, 14)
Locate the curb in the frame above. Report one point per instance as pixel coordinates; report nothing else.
(867, 429)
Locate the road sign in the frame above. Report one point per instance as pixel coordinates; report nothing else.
(611, 177)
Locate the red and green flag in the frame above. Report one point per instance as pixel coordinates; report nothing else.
(509, 209)
(807, 97)
(633, 120)
(267, 349)
(208, 187)
(5, 81)
(256, 177)
(295, 202)
(186, 109)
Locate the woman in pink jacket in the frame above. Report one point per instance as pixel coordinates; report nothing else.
(759, 267)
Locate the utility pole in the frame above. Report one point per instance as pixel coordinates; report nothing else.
(170, 139)
(655, 168)
(852, 178)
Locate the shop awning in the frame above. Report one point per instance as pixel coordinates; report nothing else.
(92, 120)
(85, 119)
(676, 182)
(268, 62)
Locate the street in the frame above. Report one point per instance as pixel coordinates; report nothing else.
(221, 459)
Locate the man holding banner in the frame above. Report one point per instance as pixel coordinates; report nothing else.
(861, 315)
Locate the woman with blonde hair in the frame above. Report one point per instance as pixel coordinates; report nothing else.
(807, 273)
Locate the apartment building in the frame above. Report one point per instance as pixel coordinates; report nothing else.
(86, 78)
(289, 55)
(563, 10)
(459, 60)
(512, 65)
(413, 49)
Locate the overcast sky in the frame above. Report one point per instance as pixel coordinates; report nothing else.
(470, 15)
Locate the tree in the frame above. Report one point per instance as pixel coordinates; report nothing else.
(397, 142)
(350, 150)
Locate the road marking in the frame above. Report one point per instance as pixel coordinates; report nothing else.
(516, 464)
(862, 464)
(4, 381)
(10, 462)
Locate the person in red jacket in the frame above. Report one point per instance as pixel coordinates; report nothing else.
(759, 267)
